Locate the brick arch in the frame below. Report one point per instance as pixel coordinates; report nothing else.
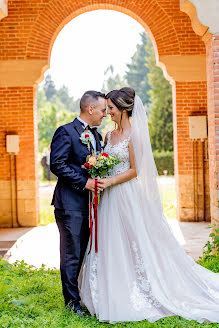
(189, 8)
(26, 37)
(106, 7)
(169, 28)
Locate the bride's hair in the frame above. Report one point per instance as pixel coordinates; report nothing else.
(123, 99)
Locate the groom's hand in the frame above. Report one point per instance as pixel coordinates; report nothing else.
(90, 185)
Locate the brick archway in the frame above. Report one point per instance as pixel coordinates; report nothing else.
(27, 36)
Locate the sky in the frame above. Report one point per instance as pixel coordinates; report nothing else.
(88, 44)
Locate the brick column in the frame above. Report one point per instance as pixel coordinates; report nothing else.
(18, 116)
(212, 46)
(191, 162)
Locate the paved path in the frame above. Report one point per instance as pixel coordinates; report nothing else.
(40, 245)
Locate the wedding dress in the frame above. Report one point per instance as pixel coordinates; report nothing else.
(140, 271)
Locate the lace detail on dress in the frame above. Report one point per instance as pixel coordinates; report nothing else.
(141, 296)
(93, 281)
(121, 150)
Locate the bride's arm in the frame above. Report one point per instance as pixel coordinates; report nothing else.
(123, 177)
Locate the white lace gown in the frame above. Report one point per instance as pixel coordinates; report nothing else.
(140, 271)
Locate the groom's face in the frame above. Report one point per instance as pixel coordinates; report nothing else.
(98, 111)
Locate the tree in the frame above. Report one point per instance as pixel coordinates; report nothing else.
(160, 116)
(55, 108)
(41, 98)
(49, 87)
(111, 80)
(49, 119)
(47, 124)
(136, 75)
(63, 95)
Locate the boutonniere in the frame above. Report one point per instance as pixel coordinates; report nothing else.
(86, 138)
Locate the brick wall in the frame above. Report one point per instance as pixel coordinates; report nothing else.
(17, 117)
(29, 32)
(191, 162)
(212, 46)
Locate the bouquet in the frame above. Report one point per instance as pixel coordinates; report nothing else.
(97, 165)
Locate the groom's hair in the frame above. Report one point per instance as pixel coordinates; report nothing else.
(90, 98)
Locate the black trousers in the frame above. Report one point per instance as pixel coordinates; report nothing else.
(74, 235)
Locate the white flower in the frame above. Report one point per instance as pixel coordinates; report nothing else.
(86, 138)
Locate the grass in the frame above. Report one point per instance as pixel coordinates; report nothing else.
(168, 195)
(33, 298)
(46, 212)
(210, 262)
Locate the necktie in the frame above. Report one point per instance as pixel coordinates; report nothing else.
(93, 130)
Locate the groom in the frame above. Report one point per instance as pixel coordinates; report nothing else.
(71, 195)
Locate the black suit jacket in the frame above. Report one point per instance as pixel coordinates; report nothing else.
(68, 153)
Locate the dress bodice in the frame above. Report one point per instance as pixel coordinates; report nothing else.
(122, 151)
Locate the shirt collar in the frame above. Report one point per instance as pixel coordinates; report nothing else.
(82, 121)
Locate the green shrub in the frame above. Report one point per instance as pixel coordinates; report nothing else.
(210, 258)
(212, 247)
(164, 161)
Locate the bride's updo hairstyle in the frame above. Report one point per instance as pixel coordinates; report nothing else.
(123, 99)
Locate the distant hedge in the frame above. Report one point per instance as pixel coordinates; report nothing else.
(164, 161)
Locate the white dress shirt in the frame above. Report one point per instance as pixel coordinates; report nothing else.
(93, 140)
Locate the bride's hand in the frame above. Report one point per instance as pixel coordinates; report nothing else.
(104, 183)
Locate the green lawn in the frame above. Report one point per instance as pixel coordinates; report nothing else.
(33, 298)
(168, 195)
(46, 212)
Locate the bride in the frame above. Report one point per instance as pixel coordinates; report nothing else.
(140, 271)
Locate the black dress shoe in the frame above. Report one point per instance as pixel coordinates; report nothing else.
(72, 306)
(81, 313)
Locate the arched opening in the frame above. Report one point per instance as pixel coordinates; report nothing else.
(181, 52)
(83, 61)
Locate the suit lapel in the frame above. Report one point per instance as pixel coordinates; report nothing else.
(80, 129)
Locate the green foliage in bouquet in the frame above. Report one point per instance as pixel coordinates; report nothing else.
(99, 165)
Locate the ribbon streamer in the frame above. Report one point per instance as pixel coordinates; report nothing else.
(93, 203)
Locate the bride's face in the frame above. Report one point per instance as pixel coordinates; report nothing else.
(113, 111)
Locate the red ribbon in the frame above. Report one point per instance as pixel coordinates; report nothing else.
(95, 218)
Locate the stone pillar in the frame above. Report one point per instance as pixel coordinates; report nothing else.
(187, 74)
(212, 45)
(18, 176)
(191, 160)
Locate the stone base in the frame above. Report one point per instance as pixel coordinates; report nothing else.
(191, 205)
(26, 213)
